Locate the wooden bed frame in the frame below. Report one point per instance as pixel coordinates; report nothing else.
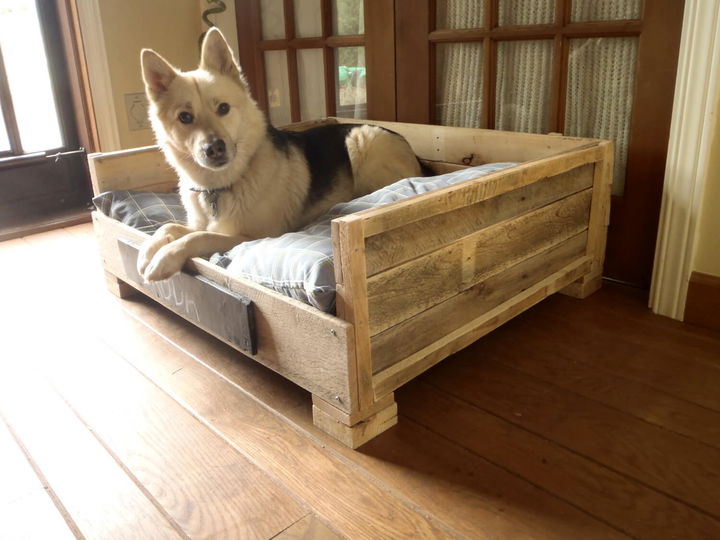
(417, 280)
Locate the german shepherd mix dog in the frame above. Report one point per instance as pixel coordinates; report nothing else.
(240, 178)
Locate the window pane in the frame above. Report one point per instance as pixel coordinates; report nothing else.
(348, 17)
(453, 14)
(605, 10)
(4, 140)
(522, 97)
(28, 76)
(308, 20)
(311, 82)
(459, 84)
(522, 12)
(350, 82)
(272, 16)
(601, 82)
(278, 88)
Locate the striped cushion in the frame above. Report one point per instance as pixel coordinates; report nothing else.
(300, 265)
(140, 209)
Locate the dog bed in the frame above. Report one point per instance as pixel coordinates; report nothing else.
(416, 279)
(298, 264)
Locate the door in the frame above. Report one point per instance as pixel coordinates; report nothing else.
(43, 173)
(590, 68)
(585, 68)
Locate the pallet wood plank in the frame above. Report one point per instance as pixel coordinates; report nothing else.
(628, 505)
(454, 268)
(391, 248)
(309, 347)
(446, 199)
(401, 372)
(420, 331)
(143, 169)
(457, 144)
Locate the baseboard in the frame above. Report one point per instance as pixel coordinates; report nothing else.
(703, 301)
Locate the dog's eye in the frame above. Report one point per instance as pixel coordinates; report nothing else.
(223, 109)
(185, 117)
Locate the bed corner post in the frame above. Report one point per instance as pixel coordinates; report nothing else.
(368, 415)
(598, 224)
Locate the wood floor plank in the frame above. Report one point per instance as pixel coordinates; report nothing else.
(99, 497)
(28, 512)
(555, 362)
(676, 360)
(605, 435)
(308, 528)
(205, 485)
(443, 479)
(612, 497)
(336, 490)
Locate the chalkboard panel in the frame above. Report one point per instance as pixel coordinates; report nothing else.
(213, 308)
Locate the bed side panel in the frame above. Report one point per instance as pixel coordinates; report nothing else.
(311, 348)
(141, 169)
(472, 257)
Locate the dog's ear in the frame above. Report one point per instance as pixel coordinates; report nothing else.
(157, 72)
(217, 56)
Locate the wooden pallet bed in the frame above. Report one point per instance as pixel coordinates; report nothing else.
(417, 280)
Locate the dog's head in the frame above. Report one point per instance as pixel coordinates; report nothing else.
(206, 115)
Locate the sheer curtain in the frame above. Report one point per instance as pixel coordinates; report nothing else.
(600, 73)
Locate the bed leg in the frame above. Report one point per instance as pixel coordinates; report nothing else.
(583, 287)
(118, 287)
(355, 429)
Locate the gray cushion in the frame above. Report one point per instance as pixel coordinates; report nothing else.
(143, 210)
(300, 264)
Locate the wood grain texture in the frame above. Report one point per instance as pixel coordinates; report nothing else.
(606, 494)
(389, 249)
(76, 464)
(335, 492)
(579, 424)
(432, 325)
(28, 511)
(230, 496)
(458, 266)
(470, 192)
(308, 528)
(143, 169)
(286, 329)
(465, 471)
(456, 487)
(401, 372)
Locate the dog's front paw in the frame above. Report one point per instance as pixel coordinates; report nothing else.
(164, 264)
(148, 250)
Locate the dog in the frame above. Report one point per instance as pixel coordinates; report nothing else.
(240, 178)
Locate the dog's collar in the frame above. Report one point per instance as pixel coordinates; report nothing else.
(211, 196)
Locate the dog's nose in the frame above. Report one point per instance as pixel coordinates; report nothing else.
(215, 150)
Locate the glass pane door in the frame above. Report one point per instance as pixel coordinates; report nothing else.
(28, 79)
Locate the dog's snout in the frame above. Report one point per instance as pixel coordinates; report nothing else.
(215, 150)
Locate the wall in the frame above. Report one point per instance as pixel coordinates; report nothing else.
(171, 27)
(706, 256)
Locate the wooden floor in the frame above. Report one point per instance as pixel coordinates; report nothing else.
(577, 420)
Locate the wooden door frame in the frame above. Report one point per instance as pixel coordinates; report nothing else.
(691, 136)
(629, 256)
